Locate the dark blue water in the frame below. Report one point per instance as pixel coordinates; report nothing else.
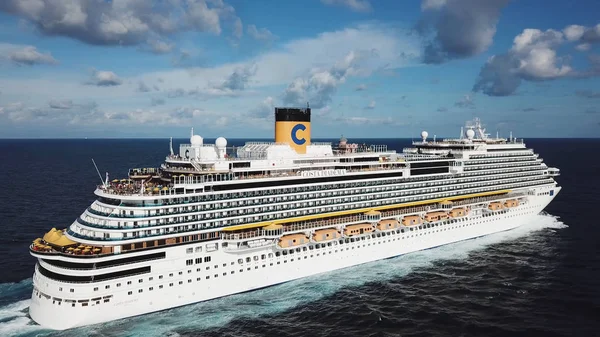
(539, 280)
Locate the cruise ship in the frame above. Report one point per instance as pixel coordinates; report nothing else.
(214, 220)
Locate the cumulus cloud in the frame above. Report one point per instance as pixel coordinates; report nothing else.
(319, 87)
(458, 28)
(533, 57)
(361, 87)
(57, 111)
(238, 80)
(365, 121)
(574, 32)
(354, 5)
(125, 22)
(265, 109)
(238, 28)
(104, 79)
(299, 58)
(582, 34)
(232, 85)
(466, 102)
(159, 46)
(371, 105)
(26, 55)
(61, 104)
(260, 34)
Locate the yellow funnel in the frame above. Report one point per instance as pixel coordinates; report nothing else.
(292, 126)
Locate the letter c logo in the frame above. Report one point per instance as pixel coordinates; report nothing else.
(295, 129)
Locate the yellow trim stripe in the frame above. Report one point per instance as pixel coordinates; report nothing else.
(360, 210)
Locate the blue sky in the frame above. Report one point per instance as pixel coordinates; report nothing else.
(141, 68)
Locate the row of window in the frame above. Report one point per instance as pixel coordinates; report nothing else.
(343, 204)
(283, 202)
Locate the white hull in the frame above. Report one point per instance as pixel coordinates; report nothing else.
(274, 271)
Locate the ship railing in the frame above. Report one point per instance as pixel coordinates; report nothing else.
(105, 279)
(321, 223)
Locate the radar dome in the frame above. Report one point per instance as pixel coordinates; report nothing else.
(424, 134)
(196, 140)
(221, 143)
(470, 134)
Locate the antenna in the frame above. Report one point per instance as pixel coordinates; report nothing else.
(497, 134)
(192, 132)
(171, 143)
(461, 133)
(99, 175)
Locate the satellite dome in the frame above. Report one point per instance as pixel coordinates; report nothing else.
(424, 134)
(196, 140)
(470, 134)
(221, 143)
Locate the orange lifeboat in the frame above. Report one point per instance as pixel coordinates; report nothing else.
(326, 234)
(458, 212)
(358, 229)
(511, 203)
(411, 220)
(292, 240)
(494, 206)
(387, 224)
(435, 216)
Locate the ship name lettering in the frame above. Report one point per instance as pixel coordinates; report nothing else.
(324, 173)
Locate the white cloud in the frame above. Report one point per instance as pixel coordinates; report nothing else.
(104, 79)
(311, 59)
(160, 47)
(583, 47)
(466, 102)
(260, 34)
(238, 28)
(432, 4)
(23, 55)
(319, 87)
(354, 5)
(358, 120)
(123, 22)
(61, 104)
(458, 28)
(574, 32)
(371, 105)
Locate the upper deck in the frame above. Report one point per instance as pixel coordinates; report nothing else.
(198, 165)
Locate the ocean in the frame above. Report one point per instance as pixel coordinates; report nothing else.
(542, 279)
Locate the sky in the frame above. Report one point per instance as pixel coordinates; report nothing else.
(367, 68)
